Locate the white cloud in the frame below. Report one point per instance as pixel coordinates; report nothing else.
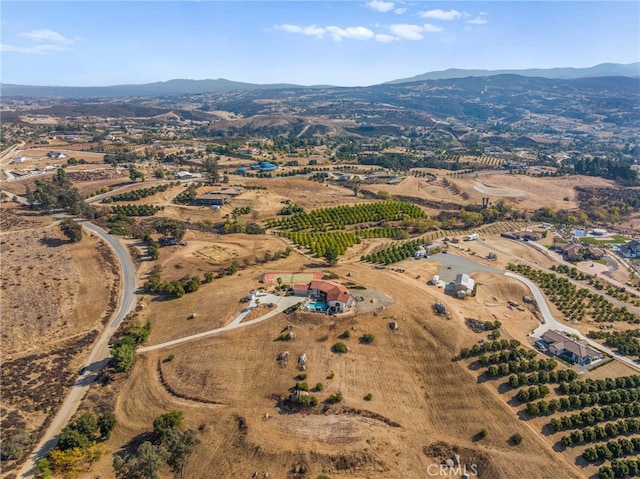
(380, 6)
(479, 20)
(38, 49)
(385, 38)
(407, 31)
(429, 28)
(337, 33)
(311, 30)
(439, 14)
(353, 33)
(48, 36)
(399, 11)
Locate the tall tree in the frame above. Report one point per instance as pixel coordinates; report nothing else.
(71, 229)
(331, 255)
(180, 446)
(170, 228)
(210, 166)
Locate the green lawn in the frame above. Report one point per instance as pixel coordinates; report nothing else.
(608, 240)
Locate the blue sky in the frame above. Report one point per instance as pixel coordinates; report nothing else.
(348, 43)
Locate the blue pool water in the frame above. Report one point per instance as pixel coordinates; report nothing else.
(317, 306)
(578, 232)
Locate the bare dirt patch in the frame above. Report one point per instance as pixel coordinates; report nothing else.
(215, 254)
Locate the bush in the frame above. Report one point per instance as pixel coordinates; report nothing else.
(368, 397)
(106, 423)
(368, 338)
(340, 348)
(302, 387)
(319, 387)
(301, 376)
(515, 439)
(308, 401)
(164, 422)
(14, 446)
(335, 398)
(346, 334)
(483, 433)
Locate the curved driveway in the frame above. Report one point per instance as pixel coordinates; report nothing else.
(281, 302)
(552, 323)
(99, 357)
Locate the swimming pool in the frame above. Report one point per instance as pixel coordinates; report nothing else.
(578, 232)
(317, 306)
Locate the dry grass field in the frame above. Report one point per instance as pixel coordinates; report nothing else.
(425, 405)
(55, 298)
(524, 192)
(232, 387)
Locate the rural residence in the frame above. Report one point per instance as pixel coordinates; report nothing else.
(324, 296)
(561, 344)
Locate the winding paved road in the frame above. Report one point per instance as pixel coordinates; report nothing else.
(98, 358)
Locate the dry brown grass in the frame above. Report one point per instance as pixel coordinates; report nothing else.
(410, 373)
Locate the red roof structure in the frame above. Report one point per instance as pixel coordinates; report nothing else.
(334, 291)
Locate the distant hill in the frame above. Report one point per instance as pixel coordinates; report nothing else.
(192, 87)
(602, 70)
(168, 88)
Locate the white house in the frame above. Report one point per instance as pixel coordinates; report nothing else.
(20, 159)
(561, 344)
(336, 296)
(631, 249)
(463, 285)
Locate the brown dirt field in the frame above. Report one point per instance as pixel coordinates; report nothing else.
(309, 194)
(215, 304)
(555, 189)
(409, 372)
(212, 252)
(76, 279)
(55, 299)
(69, 150)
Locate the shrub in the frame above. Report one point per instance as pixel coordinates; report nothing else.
(302, 386)
(368, 397)
(346, 334)
(368, 338)
(301, 376)
(335, 398)
(319, 387)
(340, 348)
(308, 401)
(483, 433)
(515, 439)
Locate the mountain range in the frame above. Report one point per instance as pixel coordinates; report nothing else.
(181, 86)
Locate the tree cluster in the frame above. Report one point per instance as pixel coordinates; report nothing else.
(169, 446)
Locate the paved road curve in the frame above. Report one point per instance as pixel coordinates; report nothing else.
(98, 358)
